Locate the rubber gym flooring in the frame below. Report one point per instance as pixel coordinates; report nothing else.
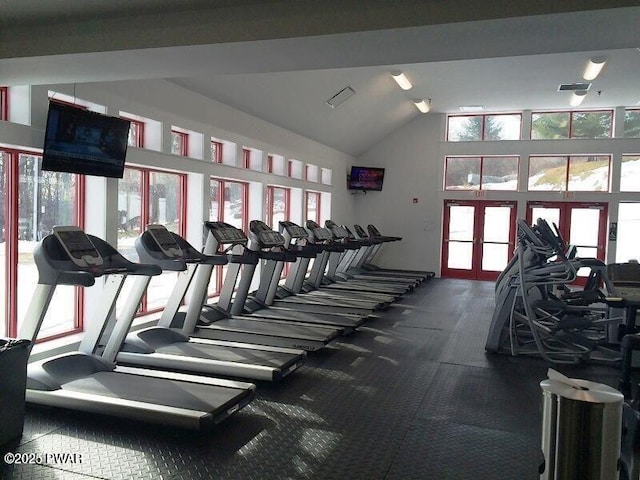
(410, 395)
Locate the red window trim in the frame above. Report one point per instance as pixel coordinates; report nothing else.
(571, 113)
(290, 168)
(566, 180)
(481, 158)
(216, 151)
(269, 163)
(484, 118)
(4, 103)
(138, 126)
(184, 142)
(246, 158)
(12, 189)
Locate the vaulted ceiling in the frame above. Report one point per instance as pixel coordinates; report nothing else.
(280, 60)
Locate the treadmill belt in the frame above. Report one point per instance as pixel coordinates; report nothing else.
(230, 354)
(158, 391)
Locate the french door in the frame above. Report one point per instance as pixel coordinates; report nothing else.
(583, 225)
(478, 238)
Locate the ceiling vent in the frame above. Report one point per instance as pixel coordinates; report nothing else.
(574, 87)
(341, 97)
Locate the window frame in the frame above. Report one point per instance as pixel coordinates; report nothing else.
(571, 114)
(4, 103)
(624, 131)
(481, 158)
(484, 122)
(138, 127)
(246, 157)
(567, 173)
(184, 142)
(307, 195)
(12, 189)
(216, 151)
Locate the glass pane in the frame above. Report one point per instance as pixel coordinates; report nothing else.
(164, 200)
(502, 127)
(591, 125)
(500, 173)
(630, 173)
(214, 204)
(585, 225)
(551, 215)
(460, 255)
(628, 228)
(178, 146)
(494, 257)
(279, 207)
(129, 211)
(216, 152)
(45, 199)
(4, 161)
(462, 173)
(461, 220)
(549, 126)
(464, 128)
(589, 173)
(497, 223)
(234, 208)
(548, 173)
(632, 123)
(312, 206)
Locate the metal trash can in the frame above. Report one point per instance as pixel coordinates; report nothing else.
(581, 429)
(13, 378)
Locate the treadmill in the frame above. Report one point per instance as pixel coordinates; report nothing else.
(274, 250)
(365, 262)
(215, 321)
(338, 277)
(168, 349)
(88, 381)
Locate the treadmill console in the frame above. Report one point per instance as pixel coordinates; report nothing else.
(165, 240)
(373, 231)
(266, 236)
(362, 234)
(294, 231)
(339, 232)
(322, 234)
(225, 233)
(78, 246)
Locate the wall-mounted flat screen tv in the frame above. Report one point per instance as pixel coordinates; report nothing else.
(80, 141)
(365, 178)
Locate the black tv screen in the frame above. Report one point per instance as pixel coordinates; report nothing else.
(85, 142)
(366, 178)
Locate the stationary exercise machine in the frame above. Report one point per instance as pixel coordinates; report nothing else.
(90, 381)
(169, 349)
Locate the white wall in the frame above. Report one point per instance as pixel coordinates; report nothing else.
(412, 160)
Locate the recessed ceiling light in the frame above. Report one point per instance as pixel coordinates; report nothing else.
(471, 108)
(402, 80)
(577, 98)
(341, 97)
(422, 105)
(593, 68)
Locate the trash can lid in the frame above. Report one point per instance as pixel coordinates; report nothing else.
(583, 390)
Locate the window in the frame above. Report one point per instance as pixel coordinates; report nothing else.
(563, 125)
(33, 202)
(270, 165)
(481, 173)
(246, 158)
(179, 143)
(228, 203)
(136, 133)
(150, 196)
(464, 128)
(632, 123)
(630, 173)
(628, 227)
(574, 173)
(278, 205)
(312, 206)
(216, 151)
(4, 104)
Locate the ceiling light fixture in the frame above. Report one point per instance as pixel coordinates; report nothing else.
(471, 108)
(402, 80)
(577, 98)
(422, 105)
(593, 68)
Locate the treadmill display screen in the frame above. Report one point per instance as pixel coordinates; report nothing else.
(270, 238)
(322, 234)
(165, 240)
(296, 231)
(340, 232)
(77, 243)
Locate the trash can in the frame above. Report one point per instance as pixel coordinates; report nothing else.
(13, 378)
(581, 429)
